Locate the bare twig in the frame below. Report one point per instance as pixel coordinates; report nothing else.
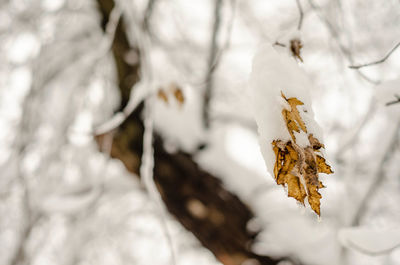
(147, 174)
(376, 62)
(394, 101)
(148, 13)
(211, 62)
(379, 176)
(20, 256)
(279, 44)
(27, 226)
(353, 135)
(147, 158)
(335, 34)
(112, 24)
(30, 216)
(301, 14)
(228, 33)
(220, 52)
(118, 118)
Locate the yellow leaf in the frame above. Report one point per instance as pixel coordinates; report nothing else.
(179, 95)
(296, 189)
(295, 47)
(284, 169)
(315, 144)
(292, 117)
(298, 167)
(322, 166)
(162, 95)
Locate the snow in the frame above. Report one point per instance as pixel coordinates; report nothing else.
(274, 73)
(52, 47)
(285, 226)
(368, 240)
(180, 124)
(23, 47)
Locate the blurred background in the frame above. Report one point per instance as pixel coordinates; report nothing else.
(98, 98)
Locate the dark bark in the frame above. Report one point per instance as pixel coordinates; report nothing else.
(195, 197)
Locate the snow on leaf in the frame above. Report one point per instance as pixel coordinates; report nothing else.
(297, 167)
(289, 135)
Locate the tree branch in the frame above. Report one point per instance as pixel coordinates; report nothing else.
(195, 197)
(148, 13)
(301, 13)
(212, 62)
(394, 101)
(376, 62)
(343, 49)
(379, 176)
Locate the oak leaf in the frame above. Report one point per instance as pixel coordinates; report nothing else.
(298, 167)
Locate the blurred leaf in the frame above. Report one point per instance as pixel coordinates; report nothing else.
(162, 95)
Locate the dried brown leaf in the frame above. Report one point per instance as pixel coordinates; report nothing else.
(173, 89)
(323, 167)
(295, 47)
(298, 167)
(178, 94)
(292, 117)
(162, 95)
(315, 144)
(284, 169)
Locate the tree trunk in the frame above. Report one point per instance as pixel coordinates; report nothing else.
(195, 197)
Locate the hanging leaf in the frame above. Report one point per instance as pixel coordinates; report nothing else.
(298, 167)
(295, 47)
